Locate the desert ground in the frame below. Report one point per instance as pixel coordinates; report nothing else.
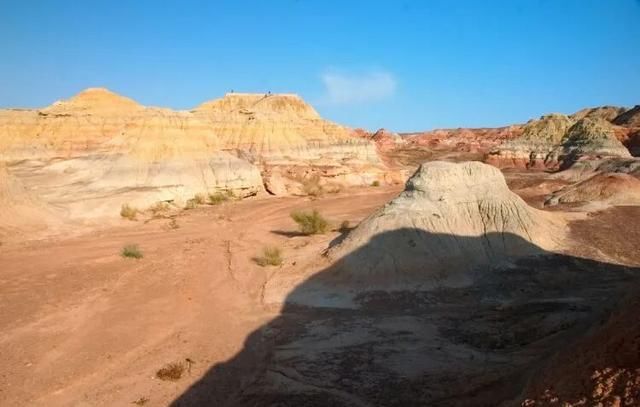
(464, 267)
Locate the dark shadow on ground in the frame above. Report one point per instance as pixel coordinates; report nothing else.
(476, 345)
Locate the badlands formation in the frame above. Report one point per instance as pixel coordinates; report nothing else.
(87, 156)
(506, 283)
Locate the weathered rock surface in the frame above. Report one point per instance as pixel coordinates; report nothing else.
(556, 141)
(98, 150)
(530, 150)
(608, 113)
(630, 118)
(599, 184)
(451, 219)
(466, 140)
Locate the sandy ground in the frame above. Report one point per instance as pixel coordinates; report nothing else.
(80, 325)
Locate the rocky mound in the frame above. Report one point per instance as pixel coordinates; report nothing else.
(530, 150)
(589, 138)
(450, 219)
(630, 118)
(599, 184)
(608, 113)
(468, 140)
(98, 150)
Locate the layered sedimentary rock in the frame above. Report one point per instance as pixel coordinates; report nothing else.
(629, 118)
(291, 143)
(589, 138)
(556, 141)
(530, 150)
(601, 183)
(450, 220)
(608, 113)
(462, 139)
(98, 150)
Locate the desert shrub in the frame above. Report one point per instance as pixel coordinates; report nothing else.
(375, 183)
(218, 198)
(173, 224)
(131, 251)
(191, 204)
(344, 226)
(172, 372)
(271, 256)
(311, 186)
(141, 401)
(158, 208)
(310, 223)
(200, 199)
(128, 212)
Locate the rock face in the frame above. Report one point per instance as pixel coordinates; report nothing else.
(556, 141)
(630, 118)
(430, 233)
(608, 113)
(98, 150)
(600, 184)
(467, 140)
(588, 139)
(530, 150)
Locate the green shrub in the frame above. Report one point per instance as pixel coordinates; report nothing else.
(128, 212)
(310, 223)
(375, 183)
(271, 256)
(132, 251)
(218, 198)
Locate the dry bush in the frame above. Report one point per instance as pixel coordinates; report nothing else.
(128, 212)
(141, 401)
(310, 223)
(131, 251)
(191, 204)
(375, 183)
(172, 372)
(311, 186)
(218, 198)
(344, 226)
(271, 256)
(158, 208)
(200, 199)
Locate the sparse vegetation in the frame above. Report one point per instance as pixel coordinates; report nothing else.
(375, 183)
(131, 251)
(199, 199)
(191, 204)
(158, 208)
(141, 401)
(128, 212)
(271, 256)
(344, 226)
(310, 222)
(218, 198)
(311, 186)
(171, 372)
(173, 224)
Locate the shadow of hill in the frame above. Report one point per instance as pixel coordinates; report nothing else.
(475, 344)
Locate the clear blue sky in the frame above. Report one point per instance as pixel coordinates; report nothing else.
(404, 65)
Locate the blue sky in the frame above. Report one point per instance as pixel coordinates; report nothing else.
(404, 65)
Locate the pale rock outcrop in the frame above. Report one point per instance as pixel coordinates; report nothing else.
(598, 184)
(450, 220)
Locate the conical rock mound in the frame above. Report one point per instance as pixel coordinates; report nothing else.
(451, 219)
